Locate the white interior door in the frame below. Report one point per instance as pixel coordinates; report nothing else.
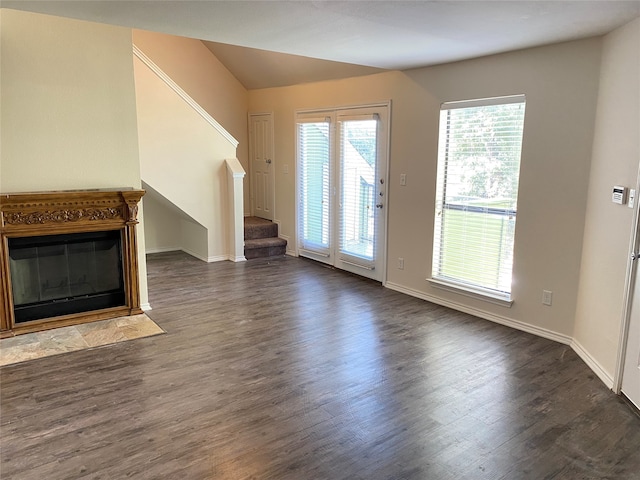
(261, 165)
(631, 372)
(342, 170)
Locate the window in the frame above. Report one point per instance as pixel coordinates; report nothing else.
(479, 148)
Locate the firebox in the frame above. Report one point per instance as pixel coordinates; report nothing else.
(56, 275)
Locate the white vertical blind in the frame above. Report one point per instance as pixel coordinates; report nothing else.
(479, 151)
(358, 162)
(313, 183)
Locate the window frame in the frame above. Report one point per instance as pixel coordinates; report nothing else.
(459, 284)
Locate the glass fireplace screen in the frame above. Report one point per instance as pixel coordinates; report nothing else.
(56, 275)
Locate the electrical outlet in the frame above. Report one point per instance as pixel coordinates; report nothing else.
(632, 198)
(400, 263)
(547, 296)
(403, 179)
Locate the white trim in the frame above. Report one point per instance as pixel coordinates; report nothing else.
(478, 294)
(193, 254)
(217, 258)
(525, 327)
(483, 102)
(592, 363)
(289, 251)
(212, 259)
(623, 339)
(162, 250)
(305, 111)
(146, 307)
(184, 95)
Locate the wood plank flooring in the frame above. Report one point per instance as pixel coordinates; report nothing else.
(285, 369)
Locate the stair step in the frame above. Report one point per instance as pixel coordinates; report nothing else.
(261, 239)
(259, 228)
(264, 247)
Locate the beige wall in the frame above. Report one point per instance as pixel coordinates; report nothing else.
(199, 73)
(68, 107)
(608, 227)
(560, 83)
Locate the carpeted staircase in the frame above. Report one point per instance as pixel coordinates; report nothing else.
(261, 239)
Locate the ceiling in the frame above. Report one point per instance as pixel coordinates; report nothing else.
(356, 34)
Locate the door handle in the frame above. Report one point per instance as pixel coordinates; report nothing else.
(268, 160)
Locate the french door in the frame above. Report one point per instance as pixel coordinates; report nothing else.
(342, 188)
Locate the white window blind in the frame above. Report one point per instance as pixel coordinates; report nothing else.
(313, 183)
(479, 151)
(358, 161)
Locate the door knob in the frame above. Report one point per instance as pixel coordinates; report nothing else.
(268, 160)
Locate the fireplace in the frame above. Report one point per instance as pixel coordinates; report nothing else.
(67, 257)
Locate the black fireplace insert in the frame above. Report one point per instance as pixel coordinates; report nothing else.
(54, 275)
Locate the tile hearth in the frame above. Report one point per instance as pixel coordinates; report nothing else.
(79, 337)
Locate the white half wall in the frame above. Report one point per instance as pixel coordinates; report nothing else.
(199, 73)
(182, 158)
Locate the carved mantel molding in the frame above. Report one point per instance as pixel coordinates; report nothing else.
(69, 211)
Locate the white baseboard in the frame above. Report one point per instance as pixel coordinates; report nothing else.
(214, 258)
(193, 254)
(146, 307)
(592, 363)
(217, 258)
(162, 250)
(492, 317)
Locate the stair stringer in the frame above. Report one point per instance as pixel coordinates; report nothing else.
(182, 157)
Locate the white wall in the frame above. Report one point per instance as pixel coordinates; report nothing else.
(608, 227)
(167, 228)
(199, 73)
(162, 224)
(182, 158)
(560, 83)
(68, 108)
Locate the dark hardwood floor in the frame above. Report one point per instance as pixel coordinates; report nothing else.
(284, 369)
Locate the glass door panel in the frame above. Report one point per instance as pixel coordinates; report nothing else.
(358, 160)
(314, 175)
